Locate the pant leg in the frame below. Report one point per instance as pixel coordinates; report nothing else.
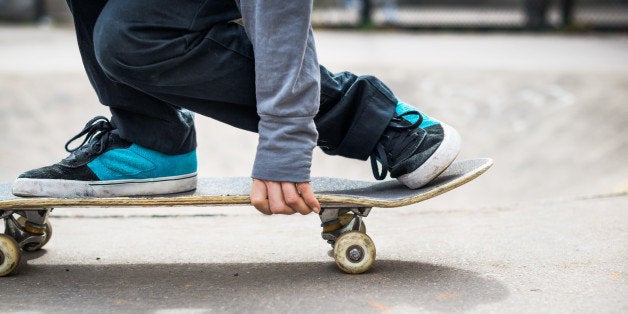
(190, 55)
(354, 112)
(139, 117)
(186, 53)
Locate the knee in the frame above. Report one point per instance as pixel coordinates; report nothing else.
(111, 49)
(123, 53)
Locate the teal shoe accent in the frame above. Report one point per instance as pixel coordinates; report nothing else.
(427, 121)
(137, 162)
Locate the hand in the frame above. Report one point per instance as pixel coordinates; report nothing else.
(273, 197)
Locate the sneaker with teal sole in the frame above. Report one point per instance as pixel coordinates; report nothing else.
(414, 148)
(105, 165)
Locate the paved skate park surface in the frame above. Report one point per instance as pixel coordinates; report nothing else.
(544, 230)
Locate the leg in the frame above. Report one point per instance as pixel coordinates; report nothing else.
(138, 117)
(191, 60)
(205, 64)
(147, 58)
(186, 54)
(148, 148)
(208, 67)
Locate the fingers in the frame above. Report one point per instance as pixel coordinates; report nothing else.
(267, 197)
(307, 193)
(293, 198)
(259, 197)
(276, 199)
(271, 197)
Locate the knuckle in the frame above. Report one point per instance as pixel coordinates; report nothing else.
(292, 200)
(309, 199)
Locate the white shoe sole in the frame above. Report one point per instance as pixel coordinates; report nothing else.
(112, 188)
(444, 155)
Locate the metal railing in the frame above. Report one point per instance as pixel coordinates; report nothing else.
(413, 14)
(478, 14)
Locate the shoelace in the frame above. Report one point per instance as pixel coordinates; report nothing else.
(397, 126)
(96, 133)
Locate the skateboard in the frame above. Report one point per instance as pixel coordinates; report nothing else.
(344, 205)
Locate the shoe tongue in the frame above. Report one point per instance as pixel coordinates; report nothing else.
(76, 158)
(116, 141)
(399, 122)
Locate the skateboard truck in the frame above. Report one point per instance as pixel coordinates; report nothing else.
(31, 229)
(340, 220)
(344, 229)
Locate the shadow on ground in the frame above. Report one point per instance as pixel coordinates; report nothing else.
(320, 287)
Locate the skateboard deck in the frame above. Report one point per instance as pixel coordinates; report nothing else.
(235, 191)
(344, 204)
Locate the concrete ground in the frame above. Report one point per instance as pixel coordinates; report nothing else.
(543, 231)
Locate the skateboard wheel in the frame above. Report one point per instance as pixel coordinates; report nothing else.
(354, 252)
(32, 247)
(10, 255)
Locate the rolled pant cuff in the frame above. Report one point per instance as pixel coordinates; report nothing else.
(367, 129)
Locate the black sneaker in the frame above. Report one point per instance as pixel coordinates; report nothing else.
(105, 165)
(414, 148)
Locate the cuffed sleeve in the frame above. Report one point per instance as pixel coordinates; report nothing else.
(280, 162)
(287, 81)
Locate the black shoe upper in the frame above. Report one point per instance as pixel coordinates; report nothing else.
(404, 146)
(99, 138)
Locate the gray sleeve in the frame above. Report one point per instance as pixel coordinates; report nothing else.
(287, 81)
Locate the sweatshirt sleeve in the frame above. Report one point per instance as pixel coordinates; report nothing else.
(287, 81)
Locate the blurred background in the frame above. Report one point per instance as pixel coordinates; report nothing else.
(599, 15)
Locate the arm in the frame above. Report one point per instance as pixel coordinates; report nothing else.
(287, 81)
